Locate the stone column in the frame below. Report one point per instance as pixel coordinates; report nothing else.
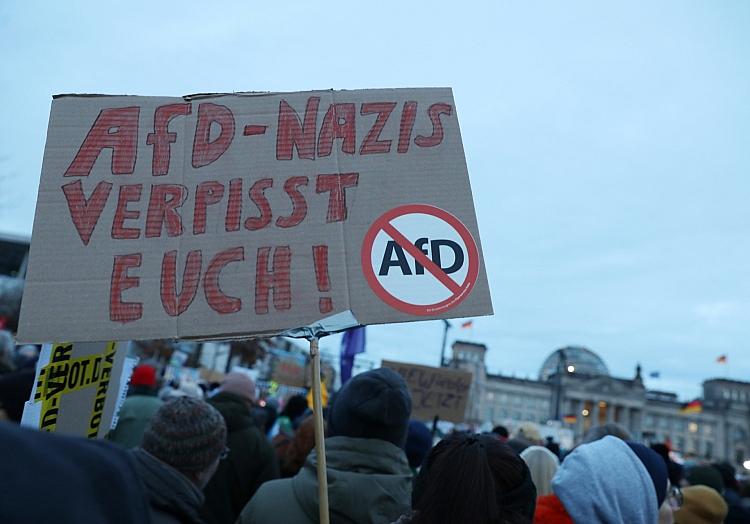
(595, 413)
(625, 420)
(578, 429)
(611, 412)
(635, 424)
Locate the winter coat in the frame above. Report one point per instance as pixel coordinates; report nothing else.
(737, 513)
(172, 497)
(549, 510)
(48, 478)
(134, 416)
(250, 463)
(369, 481)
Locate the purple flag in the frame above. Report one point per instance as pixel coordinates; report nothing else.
(352, 343)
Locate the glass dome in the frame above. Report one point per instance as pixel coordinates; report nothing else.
(575, 359)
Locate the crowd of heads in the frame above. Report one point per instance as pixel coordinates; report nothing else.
(221, 453)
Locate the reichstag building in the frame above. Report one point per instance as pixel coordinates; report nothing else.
(575, 387)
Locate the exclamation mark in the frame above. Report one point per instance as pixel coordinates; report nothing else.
(320, 257)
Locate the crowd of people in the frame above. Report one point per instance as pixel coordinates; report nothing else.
(217, 454)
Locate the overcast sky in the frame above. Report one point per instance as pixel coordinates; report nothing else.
(608, 148)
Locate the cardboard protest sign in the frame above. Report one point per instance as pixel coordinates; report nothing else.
(77, 388)
(289, 369)
(435, 391)
(214, 216)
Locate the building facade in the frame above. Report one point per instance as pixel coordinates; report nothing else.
(575, 388)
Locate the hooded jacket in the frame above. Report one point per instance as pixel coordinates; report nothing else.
(250, 463)
(134, 416)
(605, 482)
(369, 481)
(172, 497)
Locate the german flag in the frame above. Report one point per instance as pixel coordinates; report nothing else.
(570, 419)
(696, 406)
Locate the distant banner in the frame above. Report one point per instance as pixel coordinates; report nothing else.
(441, 392)
(289, 369)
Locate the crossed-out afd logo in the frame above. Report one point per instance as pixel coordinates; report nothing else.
(420, 259)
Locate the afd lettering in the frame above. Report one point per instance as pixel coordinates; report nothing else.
(395, 257)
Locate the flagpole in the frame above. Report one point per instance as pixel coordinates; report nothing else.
(446, 326)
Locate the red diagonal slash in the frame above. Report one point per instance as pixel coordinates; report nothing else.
(420, 257)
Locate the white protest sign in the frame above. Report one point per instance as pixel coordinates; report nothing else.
(77, 388)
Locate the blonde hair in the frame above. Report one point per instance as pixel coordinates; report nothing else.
(543, 465)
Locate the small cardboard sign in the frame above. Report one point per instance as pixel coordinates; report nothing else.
(441, 392)
(289, 369)
(77, 388)
(213, 216)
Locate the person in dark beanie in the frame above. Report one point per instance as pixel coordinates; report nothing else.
(674, 470)
(179, 453)
(705, 475)
(418, 444)
(251, 460)
(472, 478)
(369, 479)
(657, 470)
(138, 408)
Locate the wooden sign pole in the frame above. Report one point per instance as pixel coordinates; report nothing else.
(320, 445)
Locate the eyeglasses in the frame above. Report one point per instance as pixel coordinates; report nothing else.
(224, 453)
(675, 497)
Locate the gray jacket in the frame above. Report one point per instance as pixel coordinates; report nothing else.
(369, 481)
(173, 499)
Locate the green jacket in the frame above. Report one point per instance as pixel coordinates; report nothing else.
(134, 416)
(250, 463)
(369, 481)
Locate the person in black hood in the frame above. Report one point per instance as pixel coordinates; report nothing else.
(737, 513)
(46, 477)
(179, 453)
(251, 460)
(675, 471)
(473, 478)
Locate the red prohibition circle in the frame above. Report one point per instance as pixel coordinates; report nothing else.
(462, 290)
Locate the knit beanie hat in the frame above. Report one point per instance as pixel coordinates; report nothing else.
(656, 467)
(375, 404)
(705, 476)
(240, 385)
(418, 443)
(701, 505)
(186, 433)
(143, 375)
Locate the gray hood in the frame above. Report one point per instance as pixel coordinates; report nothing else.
(605, 482)
(369, 480)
